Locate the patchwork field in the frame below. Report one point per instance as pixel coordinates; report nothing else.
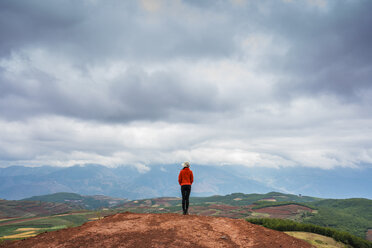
(10, 209)
(290, 211)
(161, 205)
(351, 215)
(236, 207)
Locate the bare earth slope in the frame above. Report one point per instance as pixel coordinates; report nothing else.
(162, 230)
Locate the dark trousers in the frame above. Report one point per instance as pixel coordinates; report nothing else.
(185, 190)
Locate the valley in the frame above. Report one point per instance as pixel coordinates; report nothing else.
(301, 209)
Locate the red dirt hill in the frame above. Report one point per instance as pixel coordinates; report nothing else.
(162, 230)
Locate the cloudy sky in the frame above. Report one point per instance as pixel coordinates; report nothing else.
(269, 83)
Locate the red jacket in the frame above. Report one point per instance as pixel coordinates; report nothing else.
(185, 177)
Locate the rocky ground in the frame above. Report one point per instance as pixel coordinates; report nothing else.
(162, 230)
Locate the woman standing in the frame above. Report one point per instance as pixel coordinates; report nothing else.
(185, 179)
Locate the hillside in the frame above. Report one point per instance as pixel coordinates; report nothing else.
(79, 201)
(12, 209)
(162, 230)
(236, 205)
(240, 199)
(351, 215)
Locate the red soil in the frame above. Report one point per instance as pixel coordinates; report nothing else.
(162, 230)
(208, 212)
(369, 235)
(283, 212)
(223, 207)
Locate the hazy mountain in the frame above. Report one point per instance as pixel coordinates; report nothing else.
(19, 182)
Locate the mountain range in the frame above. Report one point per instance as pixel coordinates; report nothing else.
(18, 182)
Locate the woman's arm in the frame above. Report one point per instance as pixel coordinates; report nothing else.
(180, 178)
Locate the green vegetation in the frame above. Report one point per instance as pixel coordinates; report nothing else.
(248, 199)
(229, 199)
(351, 215)
(288, 225)
(292, 198)
(263, 204)
(57, 197)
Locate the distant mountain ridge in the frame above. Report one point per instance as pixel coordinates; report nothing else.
(18, 182)
(79, 201)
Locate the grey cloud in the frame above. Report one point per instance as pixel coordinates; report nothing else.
(133, 95)
(329, 53)
(143, 95)
(123, 30)
(237, 97)
(92, 32)
(31, 23)
(329, 49)
(31, 93)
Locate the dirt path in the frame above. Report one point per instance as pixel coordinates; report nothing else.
(162, 230)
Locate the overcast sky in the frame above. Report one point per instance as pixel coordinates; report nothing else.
(271, 83)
